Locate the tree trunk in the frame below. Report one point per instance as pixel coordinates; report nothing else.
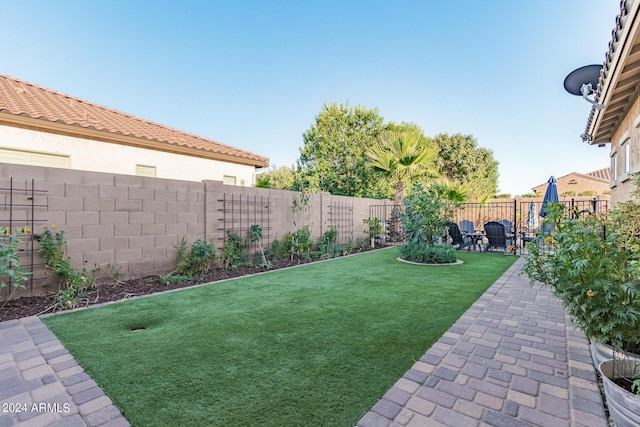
(396, 228)
(399, 194)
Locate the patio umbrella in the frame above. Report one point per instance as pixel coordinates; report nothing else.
(532, 217)
(551, 195)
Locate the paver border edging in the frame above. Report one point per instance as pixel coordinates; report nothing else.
(458, 262)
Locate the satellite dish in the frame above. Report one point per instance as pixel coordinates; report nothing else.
(583, 81)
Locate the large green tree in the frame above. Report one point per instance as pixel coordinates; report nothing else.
(460, 160)
(333, 158)
(278, 177)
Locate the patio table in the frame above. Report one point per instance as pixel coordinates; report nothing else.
(475, 237)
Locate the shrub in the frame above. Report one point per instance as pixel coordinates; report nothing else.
(428, 254)
(279, 251)
(328, 243)
(11, 274)
(75, 283)
(424, 216)
(170, 279)
(362, 244)
(233, 250)
(593, 275)
(255, 235)
(374, 226)
(198, 260)
(298, 242)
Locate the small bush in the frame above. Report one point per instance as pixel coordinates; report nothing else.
(199, 259)
(424, 216)
(328, 243)
(434, 254)
(278, 252)
(170, 279)
(295, 244)
(374, 226)
(362, 244)
(11, 274)
(233, 250)
(300, 242)
(255, 235)
(75, 283)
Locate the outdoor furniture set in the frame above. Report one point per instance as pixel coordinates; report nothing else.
(498, 235)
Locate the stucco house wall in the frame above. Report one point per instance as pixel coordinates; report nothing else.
(625, 154)
(99, 156)
(617, 120)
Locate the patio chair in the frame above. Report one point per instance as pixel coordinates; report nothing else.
(472, 238)
(496, 236)
(455, 234)
(508, 228)
(467, 226)
(508, 225)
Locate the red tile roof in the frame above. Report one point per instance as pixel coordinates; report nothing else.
(21, 98)
(604, 174)
(602, 132)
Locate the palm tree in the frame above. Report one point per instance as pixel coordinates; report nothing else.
(402, 156)
(451, 192)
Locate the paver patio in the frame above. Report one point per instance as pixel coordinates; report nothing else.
(42, 385)
(513, 359)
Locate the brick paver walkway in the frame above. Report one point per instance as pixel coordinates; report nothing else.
(513, 359)
(41, 384)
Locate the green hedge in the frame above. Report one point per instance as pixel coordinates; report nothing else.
(428, 254)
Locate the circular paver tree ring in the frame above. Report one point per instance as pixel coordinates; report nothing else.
(458, 262)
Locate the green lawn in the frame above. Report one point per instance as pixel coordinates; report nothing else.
(316, 345)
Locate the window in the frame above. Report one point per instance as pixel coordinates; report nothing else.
(145, 170)
(627, 155)
(33, 158)
(614, 166)
(229, 180)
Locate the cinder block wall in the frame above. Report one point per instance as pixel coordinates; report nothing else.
(136, 222)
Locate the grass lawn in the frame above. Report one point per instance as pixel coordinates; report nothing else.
(316, 345)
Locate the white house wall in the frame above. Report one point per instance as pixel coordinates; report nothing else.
(97, 156)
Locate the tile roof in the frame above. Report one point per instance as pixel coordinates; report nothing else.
(619, 77)
(604, 174)
(21, 98)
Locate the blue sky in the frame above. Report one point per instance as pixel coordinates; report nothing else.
(254, 74)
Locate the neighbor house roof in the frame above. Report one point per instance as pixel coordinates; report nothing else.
(603, 174)
(619, 77)
(27, 105)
